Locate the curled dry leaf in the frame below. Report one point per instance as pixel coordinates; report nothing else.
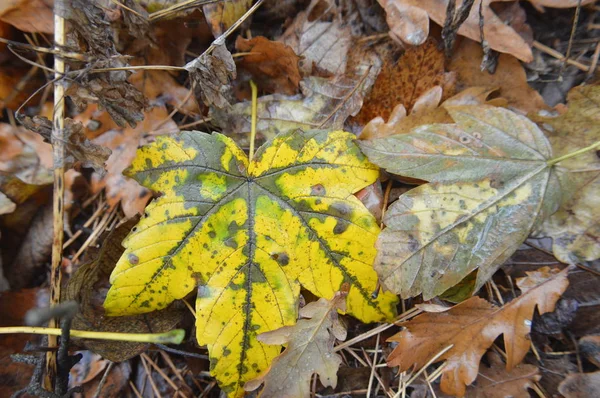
(472, 326)
(490, 184)
(409, 21)
(309, 350)
(509, 78)
(403, 82)
(272, 64)
(580, 385)
(33, 16)
(88, 286)
(249, 234)
(80, 151)
(575, 227)
(212, 74)
(319, 37)
(324, 103)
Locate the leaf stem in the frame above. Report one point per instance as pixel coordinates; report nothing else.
(578, 152)
(254, 115)
(172, 337)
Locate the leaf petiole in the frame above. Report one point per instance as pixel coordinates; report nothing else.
(578, 152)
(253, 122)
(172, 337)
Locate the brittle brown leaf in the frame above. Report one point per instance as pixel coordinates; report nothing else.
(309, 350)
(472, 326)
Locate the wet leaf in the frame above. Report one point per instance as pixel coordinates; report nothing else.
(575, 227)
(249, 234)
(273, 65)
(490, 184)
(325, 103)
(409, 22)
(309, 350)
(88, 286)
(472, 326)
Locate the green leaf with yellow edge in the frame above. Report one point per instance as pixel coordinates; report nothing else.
(575, 227)
(489, 185)
(249, 234)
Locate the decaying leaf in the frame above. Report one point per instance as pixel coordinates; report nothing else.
(580, 385)
(309, 350)
(403, 82)
(221, 15)
(490, 184)
(249, 234)
(88, 286)
(124, 143)
(509, 77)
(494, 381)
(25, 155)
(575, 227)
(325, 103)
(212, 74)
(472, 326)
(78, 149)
(319, 37)
(409, 22)
(273, 65)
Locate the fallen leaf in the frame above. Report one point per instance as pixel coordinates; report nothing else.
(212, 74)
(273, 65)
(575, 227)
(222, 15)
(510, 77)
(539, 4)
(12, 77)
(32, 16)
(89, 285)
(219, 225)
(309, 350)
(496, 382)
(324, 103)
(79, 151)
(124, 143)
(25, 155)
(409, 22)
(590, 347)
(403, 82)
(6, 205)
(580, 385)
(471, 327)
(322, 44)
(490, 184)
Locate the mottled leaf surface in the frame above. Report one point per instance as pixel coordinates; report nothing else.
(472, 326)
(309, 351)
(249, 234)
(489, 185)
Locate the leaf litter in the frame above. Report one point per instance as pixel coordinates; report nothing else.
(317, 65)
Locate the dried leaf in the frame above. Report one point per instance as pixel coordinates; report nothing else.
(249, 234)
(581, 385)
(402, 83)
(33, 16)
(490, 184)
(590, 347)
(323, 45)
(309, 350)
(89, 285)
(6, 205)
(575, 227)
(408, 21)
(25, 155)
(222, 15)
(497, 382)
(472, 326)
(79, 150)
(509, 77)
(326, 103)
(212, 75)
(273, 65)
